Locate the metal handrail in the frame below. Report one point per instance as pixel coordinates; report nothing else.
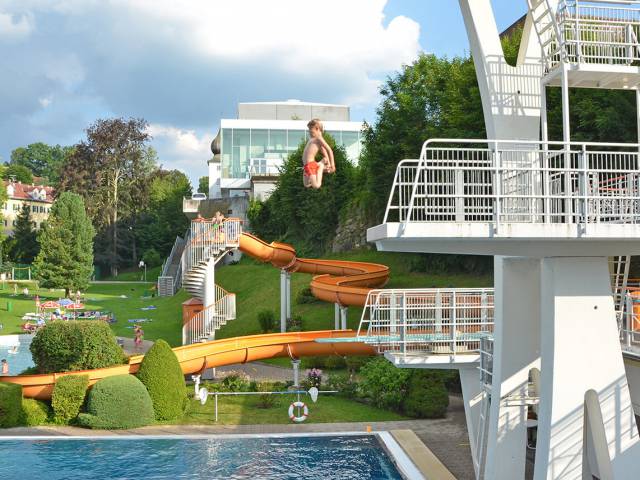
(434, 320)
(205, 323)
(518, 181)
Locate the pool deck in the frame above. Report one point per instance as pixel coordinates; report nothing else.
(446, 438)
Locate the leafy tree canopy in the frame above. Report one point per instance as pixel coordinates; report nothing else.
(203, 185)
(41, 160)
(24, 244)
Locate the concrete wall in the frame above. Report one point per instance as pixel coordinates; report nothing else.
(292, 111)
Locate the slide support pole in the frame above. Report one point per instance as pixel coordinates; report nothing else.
(296, 372)
(283, 301)
(336, 316)
(343, 317)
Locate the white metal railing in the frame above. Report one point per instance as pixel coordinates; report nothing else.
(434, 320)
(208, 239)
(203, 325)
(597, 32)
(190, 205)
(517, 181)
(264, 167)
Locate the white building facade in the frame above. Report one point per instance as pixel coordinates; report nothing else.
(250, 149)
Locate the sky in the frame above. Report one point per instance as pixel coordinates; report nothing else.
(185, 64)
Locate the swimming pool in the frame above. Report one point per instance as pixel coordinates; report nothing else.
(20, 360)
(241, 457)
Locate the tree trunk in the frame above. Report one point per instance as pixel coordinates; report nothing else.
(114, 251)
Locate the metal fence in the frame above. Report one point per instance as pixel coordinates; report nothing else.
(208, 239)
(599, 32)
(204, 324)
(435, 321)
(518, 181)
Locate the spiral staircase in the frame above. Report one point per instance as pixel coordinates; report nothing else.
(206, 245)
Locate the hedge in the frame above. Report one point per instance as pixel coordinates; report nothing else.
(383, 384)
(160, 372)
(427, 395)
(10, 405)
(63, 346)
(115, 402)
(68, 396)
(34, 412)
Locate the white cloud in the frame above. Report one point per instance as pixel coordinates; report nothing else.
(15, 27)
(184, 65)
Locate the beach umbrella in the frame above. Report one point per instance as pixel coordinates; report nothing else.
(65, 301)
(50, 304)
(74, 307)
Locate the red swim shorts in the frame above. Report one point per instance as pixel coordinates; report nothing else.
(311, 168)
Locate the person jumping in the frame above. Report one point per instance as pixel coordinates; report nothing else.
(313, 170)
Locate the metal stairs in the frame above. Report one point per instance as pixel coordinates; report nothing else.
(548, 32)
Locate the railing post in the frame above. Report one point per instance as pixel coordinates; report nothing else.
(403, 322)
(453, 321)
(459, 195)
(497, 187)
(577, 30)
(438, 313)
(582, 165)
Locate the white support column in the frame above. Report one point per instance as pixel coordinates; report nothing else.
(209, 286)
(472, 397)
(283, 301)
(336, 315)
(566, 123)
(343, 317)
(288, 290)
(638, 114)
(582, 371)
(296, 372)
(516, 351)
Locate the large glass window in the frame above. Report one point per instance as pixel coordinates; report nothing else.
(227, 144)
(337, 136)
(295, 138)
(259, 143)
(277, 141)
(240, 155)
(351, 143)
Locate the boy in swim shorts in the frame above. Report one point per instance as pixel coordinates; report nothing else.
(312, 170)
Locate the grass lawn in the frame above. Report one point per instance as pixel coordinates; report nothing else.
(166, 318)
(135, 275)
(244, 410)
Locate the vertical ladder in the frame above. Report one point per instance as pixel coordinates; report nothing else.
(619, 278)
(547, 30)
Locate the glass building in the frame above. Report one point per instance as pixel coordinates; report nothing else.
(261, 149)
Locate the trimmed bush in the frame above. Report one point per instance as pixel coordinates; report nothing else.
(427, 395)
(64, 346)
(305, 296)
(35, 412)
(294, 324)
(382, 384)
(10, 404)
(121, 401)
(343, 383)
(267, 320)
(160, 372)
(68, 397)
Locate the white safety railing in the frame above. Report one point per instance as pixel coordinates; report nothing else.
(434, 321)
(203, 325)
(594, 32)
(518, 181)
(208, 239)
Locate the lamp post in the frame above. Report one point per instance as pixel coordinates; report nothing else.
(143, 265)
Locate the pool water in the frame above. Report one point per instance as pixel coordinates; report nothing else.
(20, 360)
(279, 458)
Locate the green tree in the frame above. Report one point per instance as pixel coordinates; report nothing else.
(203, 185)
(41, 159)
(106, 170)
(25, 245)
(305, 217)
(19, 173)
(66, 246)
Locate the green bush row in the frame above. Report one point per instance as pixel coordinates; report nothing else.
(16, 411)
(68, 397)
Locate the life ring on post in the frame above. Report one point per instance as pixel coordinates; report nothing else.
(305, 412)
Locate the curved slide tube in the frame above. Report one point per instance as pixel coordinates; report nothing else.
(199, 356)
(336, 281)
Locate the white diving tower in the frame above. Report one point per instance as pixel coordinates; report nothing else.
(551, 213)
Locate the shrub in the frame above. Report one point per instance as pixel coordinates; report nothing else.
(10, 404)
(160, 372)
(63, 346)
(266, 400)
(68, 396)
(305, 296)
(427, 395)
(294, 324)
(334, 362)
(314, 377)
(121, 401)
(343, 383)
(383, 384)
(267, 320)
(355, 363)
(152, 258)
(235, 382)
(34, 412)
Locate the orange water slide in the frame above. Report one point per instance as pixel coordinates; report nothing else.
(335, 281)
(199, 356)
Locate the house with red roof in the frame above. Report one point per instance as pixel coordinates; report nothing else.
(39, 198)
